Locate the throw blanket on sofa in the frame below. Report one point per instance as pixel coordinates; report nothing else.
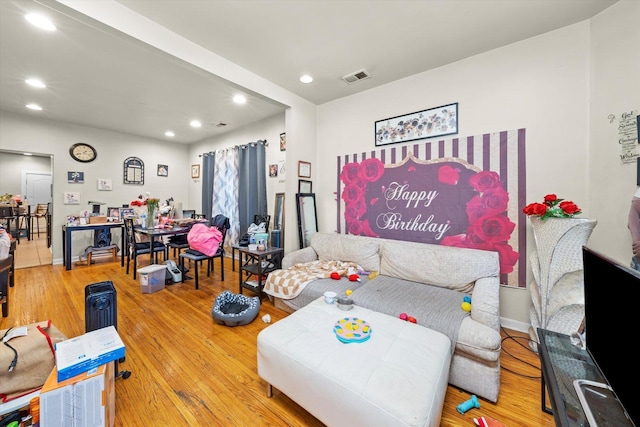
(287, 284)
(433, 307)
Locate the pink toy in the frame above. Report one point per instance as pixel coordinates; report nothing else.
(403, 316)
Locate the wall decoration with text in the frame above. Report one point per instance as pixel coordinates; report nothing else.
(463, 192)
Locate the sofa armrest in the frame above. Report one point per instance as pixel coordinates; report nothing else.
(485, 302)
(307, 254)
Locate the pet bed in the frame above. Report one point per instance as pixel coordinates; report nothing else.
(234, 309)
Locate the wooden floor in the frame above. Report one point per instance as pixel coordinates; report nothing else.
(34, 252)
(187, 370)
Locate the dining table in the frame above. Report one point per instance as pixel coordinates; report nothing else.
(159, 232)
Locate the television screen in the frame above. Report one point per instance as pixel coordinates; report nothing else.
(611, 293)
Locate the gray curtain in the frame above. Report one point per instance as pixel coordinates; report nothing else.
(252, 183)
(208, 175)
(234, 184)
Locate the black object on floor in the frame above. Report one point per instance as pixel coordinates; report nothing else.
(101, 310)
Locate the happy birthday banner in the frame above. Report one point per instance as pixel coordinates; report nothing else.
(464, 192)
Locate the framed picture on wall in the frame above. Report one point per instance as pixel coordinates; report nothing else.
(438, 121)
(195, 171)
(163, 170)
(304, 186)
(283, 142)
(75, 177)
(304, 169)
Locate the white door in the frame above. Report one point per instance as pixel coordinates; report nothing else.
(37, 187)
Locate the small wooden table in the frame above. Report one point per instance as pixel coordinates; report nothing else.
(255, 263)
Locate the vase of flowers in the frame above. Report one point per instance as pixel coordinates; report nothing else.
(153, 211)
(556, 263)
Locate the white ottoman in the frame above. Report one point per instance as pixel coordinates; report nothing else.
(396, 378)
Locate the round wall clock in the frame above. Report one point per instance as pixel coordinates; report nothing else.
(83, 152)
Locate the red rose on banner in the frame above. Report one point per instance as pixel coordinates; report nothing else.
(371, 170)
(485, 180)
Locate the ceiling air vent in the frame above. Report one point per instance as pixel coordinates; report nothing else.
(355, 77)
(220, 125)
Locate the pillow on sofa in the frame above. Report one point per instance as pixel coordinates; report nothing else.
(340, 247)
(449, 267)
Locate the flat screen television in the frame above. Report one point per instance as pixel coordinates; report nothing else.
(612, 294)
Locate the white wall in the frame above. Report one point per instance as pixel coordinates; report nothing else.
(23, 133)
(541, 84)
(615, 89)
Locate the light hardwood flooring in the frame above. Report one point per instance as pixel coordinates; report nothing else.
(187, 370)
(34, 252)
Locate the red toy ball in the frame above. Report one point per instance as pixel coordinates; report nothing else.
(335, 275)
(412, 319)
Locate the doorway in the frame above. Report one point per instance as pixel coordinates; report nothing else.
(32, 178)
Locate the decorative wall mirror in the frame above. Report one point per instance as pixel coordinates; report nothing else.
(133, 171)
(307, 217)
(278, 218)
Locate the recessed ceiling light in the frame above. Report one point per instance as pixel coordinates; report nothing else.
(306, 78)
(196, 123)
(240, 99)
(40, 22)
(169, 134)
(27, 154)
(34, 107)
(36, 83)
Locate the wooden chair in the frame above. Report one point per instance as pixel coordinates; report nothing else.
(41, 212)
(223, 224)
(135, 249)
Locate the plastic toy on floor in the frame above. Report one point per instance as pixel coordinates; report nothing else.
(487, 422)
(468, 404)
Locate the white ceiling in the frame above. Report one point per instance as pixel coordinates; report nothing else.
(101, 78)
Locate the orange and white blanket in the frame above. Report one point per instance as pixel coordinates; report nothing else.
(288, 284)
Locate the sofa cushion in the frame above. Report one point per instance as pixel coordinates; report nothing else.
(340, 247)
(445, 266)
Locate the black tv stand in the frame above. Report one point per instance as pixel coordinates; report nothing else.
(566, 368)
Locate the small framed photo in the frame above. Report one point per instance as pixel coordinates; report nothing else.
(283, 141)
(195, 171)
(75, 177)
(125, 213)
(273, 170)
(305, 186)
(163, 170)
(304, 169)
(113, 213)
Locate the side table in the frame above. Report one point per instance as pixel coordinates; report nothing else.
(255, 264)
(562, 363)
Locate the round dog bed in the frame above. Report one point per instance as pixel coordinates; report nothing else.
(234, 309)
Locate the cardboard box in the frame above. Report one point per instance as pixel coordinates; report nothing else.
(152, 278)
(81, 354)
(97, 219)
(87, 399)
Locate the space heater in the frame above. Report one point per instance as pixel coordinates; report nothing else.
(101, 310)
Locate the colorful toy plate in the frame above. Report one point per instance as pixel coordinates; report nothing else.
(352, 329)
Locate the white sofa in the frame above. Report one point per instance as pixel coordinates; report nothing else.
(428, 282)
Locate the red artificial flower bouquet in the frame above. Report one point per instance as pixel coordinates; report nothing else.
(552, 207)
